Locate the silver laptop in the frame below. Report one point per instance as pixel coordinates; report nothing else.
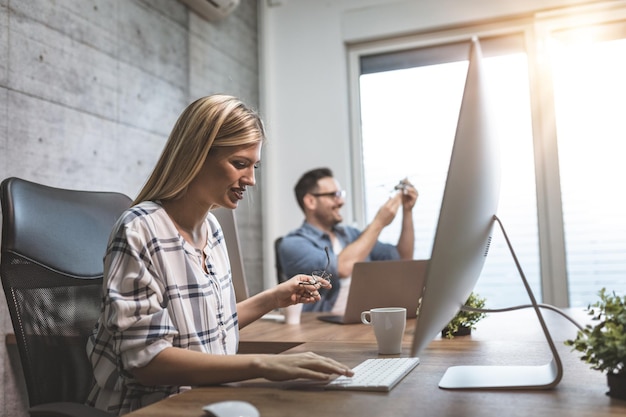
(382, 284)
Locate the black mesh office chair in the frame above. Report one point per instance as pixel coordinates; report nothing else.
(53, 244)
(280, 275)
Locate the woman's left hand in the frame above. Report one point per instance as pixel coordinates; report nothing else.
(300, 289)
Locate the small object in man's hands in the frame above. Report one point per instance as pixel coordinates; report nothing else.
(402, 186)
(311, 281)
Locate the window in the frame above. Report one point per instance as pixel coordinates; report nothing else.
(407, 102)
(408, 126)
(588, 67)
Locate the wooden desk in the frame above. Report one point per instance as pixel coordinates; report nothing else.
(506, 338)
(269, 336)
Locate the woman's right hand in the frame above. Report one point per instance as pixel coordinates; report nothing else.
(299, 365)
(299, 289)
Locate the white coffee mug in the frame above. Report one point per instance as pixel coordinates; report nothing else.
(389, 324)
(292, 313)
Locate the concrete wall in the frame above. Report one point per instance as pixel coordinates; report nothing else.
(89, 90)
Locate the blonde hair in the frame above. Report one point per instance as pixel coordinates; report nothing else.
(212, 121)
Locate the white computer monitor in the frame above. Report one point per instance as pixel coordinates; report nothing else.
(463, 237)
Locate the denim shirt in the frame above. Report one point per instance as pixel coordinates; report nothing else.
(302, 252)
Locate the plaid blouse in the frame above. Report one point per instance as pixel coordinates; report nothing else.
(156, 295)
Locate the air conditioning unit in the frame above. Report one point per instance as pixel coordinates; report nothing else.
(212, 10)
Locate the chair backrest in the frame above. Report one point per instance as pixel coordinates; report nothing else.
(51, 265)
(280, 275)
(228, 222)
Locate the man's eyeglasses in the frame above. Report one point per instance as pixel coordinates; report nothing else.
(319, 274)
(332, 194)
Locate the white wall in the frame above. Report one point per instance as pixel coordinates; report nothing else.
(304, 83)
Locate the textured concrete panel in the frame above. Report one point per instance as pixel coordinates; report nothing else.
(4, 137)
(138, 152)
(6, 397)
(154, 42)
(45, 63)
(88, 22)
(214, 71)
(231, 35)
(89, 91)
(4, 43)
(147, 101)
(69, 149)
(174, 10)
(57, 145)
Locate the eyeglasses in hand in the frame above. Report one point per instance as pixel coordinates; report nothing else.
(320, 274)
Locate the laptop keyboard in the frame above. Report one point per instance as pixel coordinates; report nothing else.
(380, 374)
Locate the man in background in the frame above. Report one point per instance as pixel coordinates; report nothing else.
(303, 250)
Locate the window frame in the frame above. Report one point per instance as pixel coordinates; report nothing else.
(535, 30)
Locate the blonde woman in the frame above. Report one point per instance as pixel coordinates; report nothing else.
(169, 318)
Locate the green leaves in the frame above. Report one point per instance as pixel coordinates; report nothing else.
(603, 346)
(466, 318)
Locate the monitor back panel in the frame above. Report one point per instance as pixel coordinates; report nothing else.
(383, 284)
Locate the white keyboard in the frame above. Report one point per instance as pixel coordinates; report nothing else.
(380, 374)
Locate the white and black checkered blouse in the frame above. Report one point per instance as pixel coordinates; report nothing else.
(156, 295)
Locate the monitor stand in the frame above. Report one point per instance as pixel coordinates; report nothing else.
(509, 377)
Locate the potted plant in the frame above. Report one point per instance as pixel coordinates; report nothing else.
(464, 321)
(604, 345)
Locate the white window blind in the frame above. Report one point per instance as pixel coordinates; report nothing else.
(589, 68)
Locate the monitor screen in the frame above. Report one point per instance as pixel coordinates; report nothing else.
(462, 240)
(467, 211)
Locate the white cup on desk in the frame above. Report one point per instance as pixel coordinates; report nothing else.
(292, 313)
(389, 324)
